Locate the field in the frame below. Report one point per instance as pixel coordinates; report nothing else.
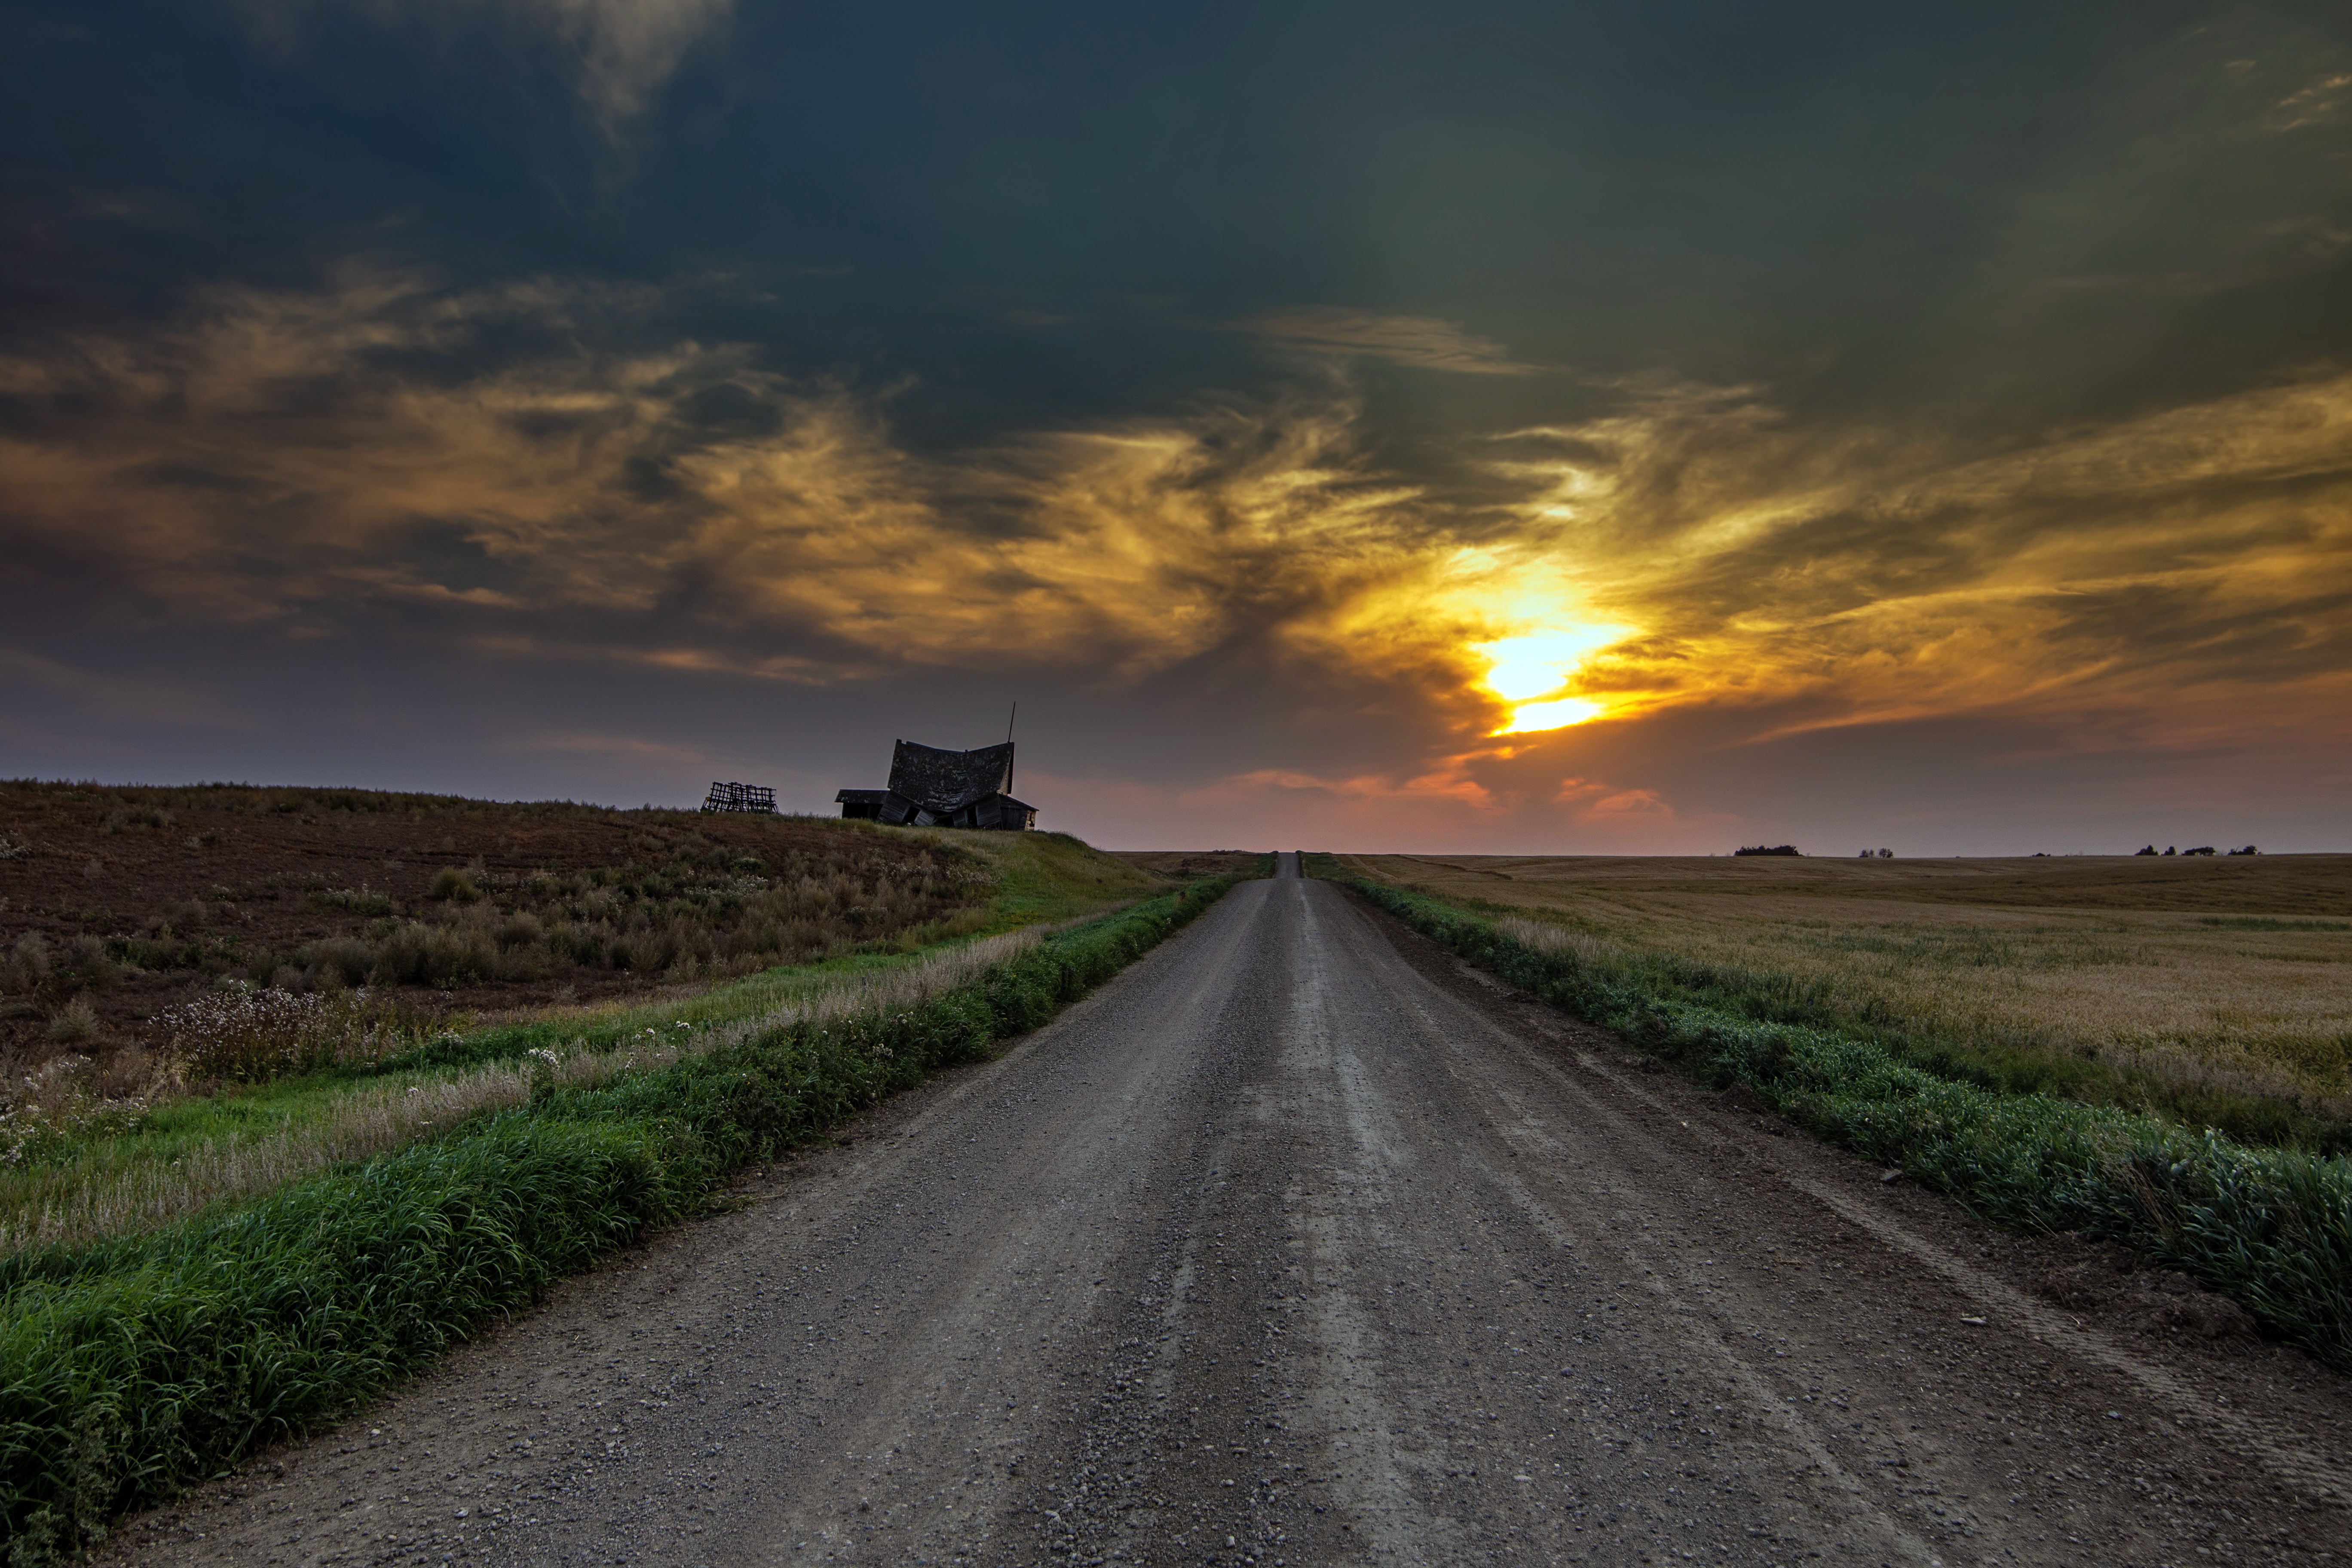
(117, 904)
(2215, 991)
(210, 993)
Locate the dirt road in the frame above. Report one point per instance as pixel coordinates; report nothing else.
(1300, 1243)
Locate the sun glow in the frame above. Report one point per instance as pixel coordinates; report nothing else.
(1531, 671)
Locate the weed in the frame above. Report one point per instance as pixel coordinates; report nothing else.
(65, 1103)
(454, 884)
(73, 1023)
(245, 1034)
(360, 900)
(26, 965)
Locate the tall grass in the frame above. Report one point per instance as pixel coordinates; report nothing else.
(103, 1189)
(131, 1367)
(2270, 1227)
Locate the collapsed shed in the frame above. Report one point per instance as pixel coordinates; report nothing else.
(930, 787)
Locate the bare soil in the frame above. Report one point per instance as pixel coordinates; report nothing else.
(1303, 1242)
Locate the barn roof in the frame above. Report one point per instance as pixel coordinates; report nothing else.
(942, 781)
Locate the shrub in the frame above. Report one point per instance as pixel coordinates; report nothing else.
(454, 884)
(88, 962)
(439, 956)
(345, 960)
(1774, 849)
(73, 1023)
(27, 965)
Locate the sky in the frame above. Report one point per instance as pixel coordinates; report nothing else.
(1477, 428)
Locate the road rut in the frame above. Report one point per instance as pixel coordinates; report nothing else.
(1301, 1243)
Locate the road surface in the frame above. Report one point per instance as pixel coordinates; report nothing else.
(1302, 1243)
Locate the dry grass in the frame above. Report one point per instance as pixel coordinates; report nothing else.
(2231, 975)
(114, 1187)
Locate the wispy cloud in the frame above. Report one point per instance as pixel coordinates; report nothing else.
(280, 454)
(2323, 102)
(1420, 341)
(379, 445)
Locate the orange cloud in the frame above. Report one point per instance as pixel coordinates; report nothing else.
(291, 455)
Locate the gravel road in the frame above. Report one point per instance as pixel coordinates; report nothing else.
(1302, 1243)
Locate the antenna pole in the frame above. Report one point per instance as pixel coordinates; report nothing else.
(1008, 741)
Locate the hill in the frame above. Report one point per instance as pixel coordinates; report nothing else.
(117, 903)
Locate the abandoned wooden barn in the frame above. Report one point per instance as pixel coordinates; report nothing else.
(934, 788)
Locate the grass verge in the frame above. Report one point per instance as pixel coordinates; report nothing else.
(117, 1174)
(2270, 1227)
(130, 1368)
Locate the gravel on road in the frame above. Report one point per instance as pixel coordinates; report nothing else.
(1302, 1242)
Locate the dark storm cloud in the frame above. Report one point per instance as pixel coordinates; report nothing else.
(1294, 395)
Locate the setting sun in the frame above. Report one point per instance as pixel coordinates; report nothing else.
(1531, 672)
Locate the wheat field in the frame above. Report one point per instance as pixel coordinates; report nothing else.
(2231, 973)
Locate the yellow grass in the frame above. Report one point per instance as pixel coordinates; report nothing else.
(2191, 971)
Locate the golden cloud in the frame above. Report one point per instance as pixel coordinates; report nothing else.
(295, 455)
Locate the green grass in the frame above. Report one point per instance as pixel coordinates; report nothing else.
(1045, 877)
(130, 1368)
(2270, 1227)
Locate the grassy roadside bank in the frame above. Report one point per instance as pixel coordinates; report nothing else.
(2270, 1227)
(132, 1367)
